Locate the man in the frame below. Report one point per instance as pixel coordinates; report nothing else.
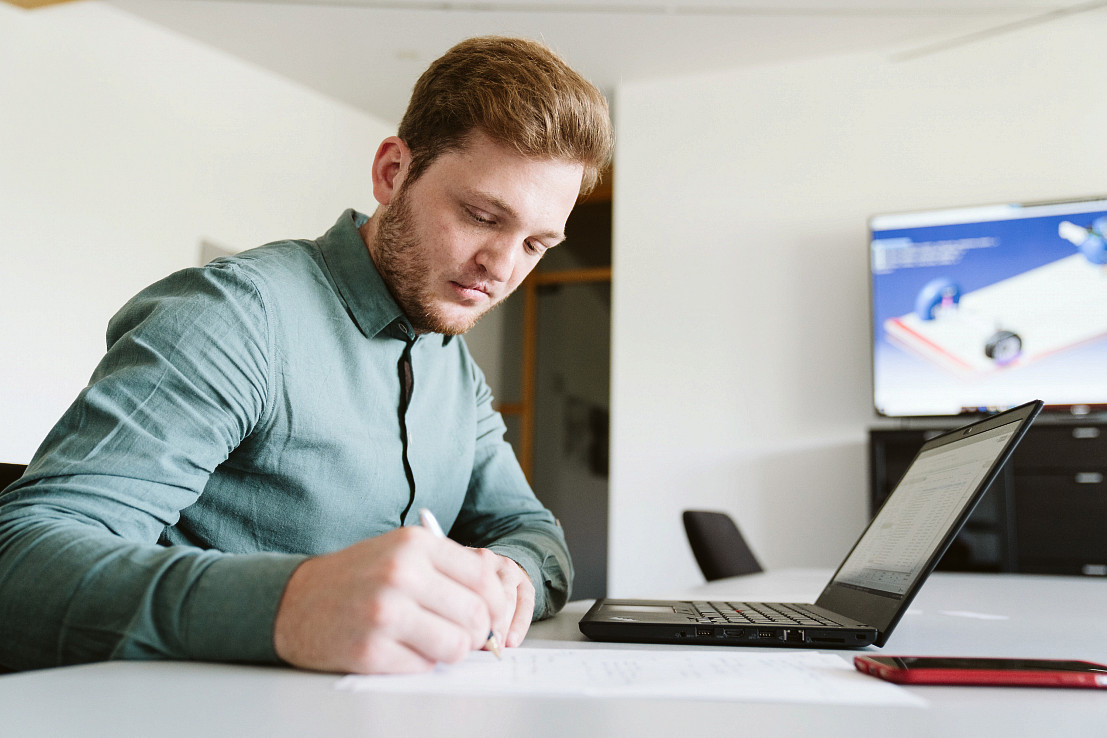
(240, 478)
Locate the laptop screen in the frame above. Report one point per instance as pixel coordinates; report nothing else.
(930, 499)
(914, 527)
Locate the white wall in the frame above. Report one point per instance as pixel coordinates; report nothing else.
(740, 349)
(122, 146)
(740, 337)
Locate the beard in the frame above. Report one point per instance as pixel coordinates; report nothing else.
(407, 270)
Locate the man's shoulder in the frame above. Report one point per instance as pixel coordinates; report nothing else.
(273, 259)
(280, 268)
(262, 277)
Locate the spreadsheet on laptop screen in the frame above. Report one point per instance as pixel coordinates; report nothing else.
(917, 516)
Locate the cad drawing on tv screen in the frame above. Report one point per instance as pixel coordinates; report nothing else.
(978, 309)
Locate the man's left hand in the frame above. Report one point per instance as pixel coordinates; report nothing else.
(519, 590)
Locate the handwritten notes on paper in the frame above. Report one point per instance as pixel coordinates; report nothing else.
(675, 674)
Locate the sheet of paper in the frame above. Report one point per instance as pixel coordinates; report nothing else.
(677, 674)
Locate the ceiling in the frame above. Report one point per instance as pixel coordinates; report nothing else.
(368, 53)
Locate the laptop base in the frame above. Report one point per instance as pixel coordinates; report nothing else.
(607, 620)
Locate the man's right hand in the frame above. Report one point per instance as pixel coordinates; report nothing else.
(399, 602)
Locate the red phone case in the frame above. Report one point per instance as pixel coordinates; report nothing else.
(1013, 674)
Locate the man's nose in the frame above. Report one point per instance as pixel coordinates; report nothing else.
(497, 257)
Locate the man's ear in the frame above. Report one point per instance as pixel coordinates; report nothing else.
(390, 166)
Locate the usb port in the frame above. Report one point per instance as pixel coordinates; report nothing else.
(765, 634)
(704, 632)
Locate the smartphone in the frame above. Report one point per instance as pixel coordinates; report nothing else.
(984, 671)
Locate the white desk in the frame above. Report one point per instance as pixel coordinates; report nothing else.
(955, 614)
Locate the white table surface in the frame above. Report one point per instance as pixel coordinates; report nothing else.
(955, 614)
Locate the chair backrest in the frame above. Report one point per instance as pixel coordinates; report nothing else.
(718, 545)
(9, 473)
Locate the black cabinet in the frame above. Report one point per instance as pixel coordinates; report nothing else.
(1060, 497)
(1045, 513)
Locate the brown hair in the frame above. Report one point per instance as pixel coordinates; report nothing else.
(518, 92)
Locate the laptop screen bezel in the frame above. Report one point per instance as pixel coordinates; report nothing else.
(883, 610)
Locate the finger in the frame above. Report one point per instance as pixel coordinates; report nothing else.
(464, 565)
(421, 616)
(462, 609)
(404, 582)
(500, 598)
(524, 613)
(519, 596)
(478, 571)
(475, 568)
(436, 638)
(503, 623)
(509, 575)
(461, 585)
(440, 595)
(386, 656)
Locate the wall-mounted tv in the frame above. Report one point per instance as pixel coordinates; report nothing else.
(977, 309)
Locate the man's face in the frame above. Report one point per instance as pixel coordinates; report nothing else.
(464, 235)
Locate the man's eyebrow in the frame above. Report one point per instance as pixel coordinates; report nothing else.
(501, 205)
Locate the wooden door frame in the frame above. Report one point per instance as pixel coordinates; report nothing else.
(524, 409)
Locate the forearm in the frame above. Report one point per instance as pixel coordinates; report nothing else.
(72, 593)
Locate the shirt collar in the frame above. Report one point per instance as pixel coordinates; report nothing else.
(359, 284)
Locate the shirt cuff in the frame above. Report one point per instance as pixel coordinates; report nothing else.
(234, 606)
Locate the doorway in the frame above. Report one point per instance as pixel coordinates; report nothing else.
(555, 360)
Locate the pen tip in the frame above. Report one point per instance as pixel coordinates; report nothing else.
(493, 645)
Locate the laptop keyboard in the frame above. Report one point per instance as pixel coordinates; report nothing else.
(758, 613)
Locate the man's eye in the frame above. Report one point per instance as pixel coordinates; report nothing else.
(535, 247)
(480, 218)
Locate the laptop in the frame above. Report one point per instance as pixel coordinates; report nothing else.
(876, 582)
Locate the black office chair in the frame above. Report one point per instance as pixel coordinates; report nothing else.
(9, 473)
(718, 545)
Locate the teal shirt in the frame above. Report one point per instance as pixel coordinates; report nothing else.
(246, 415)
